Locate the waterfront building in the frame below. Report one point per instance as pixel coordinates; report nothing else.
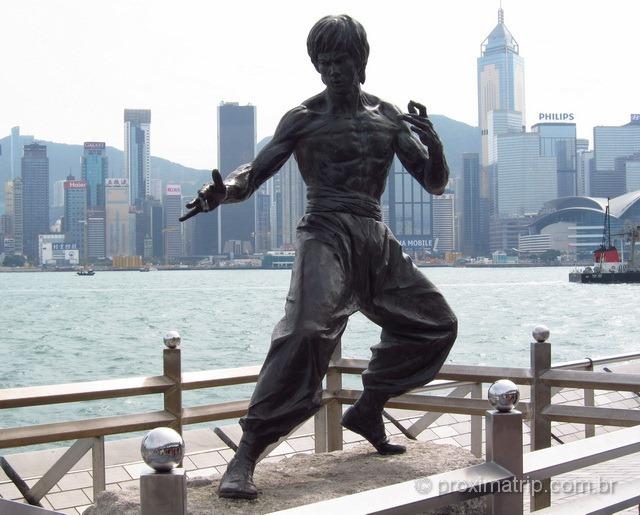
(156, 189)
(263, 221)
(8, 209)
(58, 194)
(137, 154)
(582, 144)
(500, 75)
(559, 140)
(474, 233)
(526, 180)
(54, 251)
(632, 172)
(236, 146)
(611, 145)
(584, 164)
(276, 211)
(202, 234)
(500, 122)
(96, 235)
(16, 152)
(505, 232)
(35, 197)
(444, 222)
(75, 214)
(293, 198)
(95, 170)
(410, 210)
(18, 225)
(117, 217)
(172, 204)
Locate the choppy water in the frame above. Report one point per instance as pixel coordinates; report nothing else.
(61, 328)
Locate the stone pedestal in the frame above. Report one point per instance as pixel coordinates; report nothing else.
(163, 493)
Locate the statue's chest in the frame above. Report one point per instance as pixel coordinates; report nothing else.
(351, 137)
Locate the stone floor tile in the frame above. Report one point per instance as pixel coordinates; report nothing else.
(116, 474)
(33, 481)
(133, 483)
(462, 427)
(227, 454)
(463, 440)
(282, 448)
(81, 509)
(272, 459)
(350, 436)
(444, 431)
(427, 435)
(198, 440)
(75, 481)
(135, 469)
(460, 418)
(89, 493)
(68, 499)
(207, 459)
(10, 491)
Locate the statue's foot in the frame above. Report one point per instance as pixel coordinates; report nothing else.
(372, 428)
(237, 481)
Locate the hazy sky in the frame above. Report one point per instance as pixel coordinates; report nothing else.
(70, 67)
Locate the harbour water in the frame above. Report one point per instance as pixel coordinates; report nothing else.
(62, 328)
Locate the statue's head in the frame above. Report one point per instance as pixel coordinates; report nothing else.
(339, 34)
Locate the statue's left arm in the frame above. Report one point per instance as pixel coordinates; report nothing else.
(420, 150)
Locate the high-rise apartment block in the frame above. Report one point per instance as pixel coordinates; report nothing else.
(293, 198)
(137, 153)
(236, 146)
(474, 215)
(444, 222)
(35, 197)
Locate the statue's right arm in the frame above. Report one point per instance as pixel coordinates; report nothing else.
(247, 178)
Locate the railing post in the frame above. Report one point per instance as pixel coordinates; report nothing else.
(589, 400)
(504, 446)
(540, 399)
(334, 408)
(173, 370)
(476, 423)
(98, 466)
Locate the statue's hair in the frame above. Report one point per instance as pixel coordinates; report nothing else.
(339, 33)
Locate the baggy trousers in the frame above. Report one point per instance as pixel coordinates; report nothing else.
(347, 263)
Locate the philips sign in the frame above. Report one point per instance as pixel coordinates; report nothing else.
(555, 117)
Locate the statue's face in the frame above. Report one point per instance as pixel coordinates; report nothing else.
(338, 71)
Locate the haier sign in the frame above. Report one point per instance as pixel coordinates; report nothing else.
(555, 117)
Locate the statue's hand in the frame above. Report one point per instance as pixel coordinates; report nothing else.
(210, 196)
(422, 126)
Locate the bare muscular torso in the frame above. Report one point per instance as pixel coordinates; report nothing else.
(347, 152)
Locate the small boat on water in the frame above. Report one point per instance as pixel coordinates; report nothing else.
(85, 271)
(608, 267)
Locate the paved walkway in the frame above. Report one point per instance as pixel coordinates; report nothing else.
(207, 454)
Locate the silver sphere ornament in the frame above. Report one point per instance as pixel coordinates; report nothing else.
(162, 449)
(504, 395)
(172, 339)
(540, 333)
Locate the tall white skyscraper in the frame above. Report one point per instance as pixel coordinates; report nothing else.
(137, 154)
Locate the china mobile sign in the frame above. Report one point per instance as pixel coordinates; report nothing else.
(556, 117)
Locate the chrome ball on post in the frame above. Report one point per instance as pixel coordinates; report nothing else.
(504, 395)
(540, 333)
(172, 339)
(162, 449)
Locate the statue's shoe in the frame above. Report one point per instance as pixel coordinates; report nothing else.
(237, 482)
(372, 429)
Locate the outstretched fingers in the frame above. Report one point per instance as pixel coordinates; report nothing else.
(417, 108)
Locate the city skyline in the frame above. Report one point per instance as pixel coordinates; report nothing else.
(576, 61)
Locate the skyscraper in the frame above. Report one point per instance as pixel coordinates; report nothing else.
(500, 88)
(35, 197)
(559, 140)
(137, 154)
(526, 180)
(293, 195)
(172, 204)
(474, 237)
(612, 146)
(75, 214)
(118, 223)
(236, 146)
(409, 208)
(444, 222)
(18, 218)
(95, 166)
(16, 152)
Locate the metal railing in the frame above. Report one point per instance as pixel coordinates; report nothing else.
(462, 382)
